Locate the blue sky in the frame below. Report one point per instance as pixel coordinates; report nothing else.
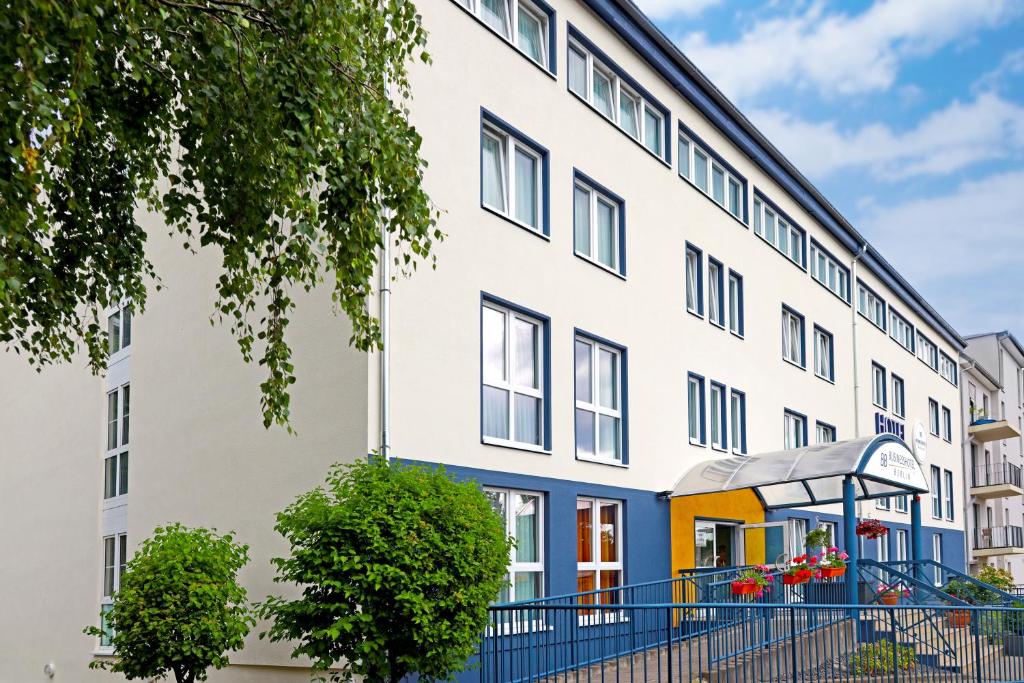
(907, 114)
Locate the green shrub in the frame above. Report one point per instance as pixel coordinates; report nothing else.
(876, 658)
(996, 577)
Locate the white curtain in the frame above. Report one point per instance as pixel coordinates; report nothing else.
(493, 163)
(526, 188)
(530, 39)
(606, 234)
(581, 219)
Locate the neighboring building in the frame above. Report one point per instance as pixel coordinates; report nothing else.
(993, 413)
(633, 281)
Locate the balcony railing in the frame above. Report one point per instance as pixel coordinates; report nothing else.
(997, 475)
(998, 537)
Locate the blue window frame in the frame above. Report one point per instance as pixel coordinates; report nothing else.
(515, 375)
(738, 421)
(599, 224)
(829, 271)
(529, 26)
(824, 432)
(718, 419)
(794, 429)
(948, 369)
(947, 425)
(824, 354)
(775, 227)
(871, 305)
(899, 396)
(608, 90)
(933, 417)
(514, 175)
(794, 347)
(696, 409)
(716, 292)
(735, 303)
(879, 387)
(601, 378)
(901, 331)
(715, 177)
(694, 270)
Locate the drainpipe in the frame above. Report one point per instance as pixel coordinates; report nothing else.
(856, 373)
(965, 442)
(384, 294)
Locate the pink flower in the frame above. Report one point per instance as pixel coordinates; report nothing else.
(843, 556)
(769, 579)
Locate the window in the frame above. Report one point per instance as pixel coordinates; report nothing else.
(883, 503)
(598, 546)
(524, 522)
(901, 503)
(605, 87)
(947, 424)
(694, 280)
(534, 28)
(933, 417)
(948, 481)
(878, 396)
(793, 336)
(695, 402)
(794, 430)
(824, 433)
(927, 352)
(871, 306)
(936, 493)
(711, 175)
(834, 276)
(901, 330)
(514, 175)
(738, 406)
(778, 230)
(599, 399)
(115, 461)
(824, 361)
(514, 392)
(718, 416)
(115, 560)
(833, 532)
(899, 405)
(948, 370)
(902, 547)
(883, 548)
(716, 293)
(735, 303)
(937, 556)
(598, 225)
(119, 330)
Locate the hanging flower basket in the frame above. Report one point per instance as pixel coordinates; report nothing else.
(752, 581)
(797, 577)
(889, 598)
(744, 588)
(831, 572)
(871, 528)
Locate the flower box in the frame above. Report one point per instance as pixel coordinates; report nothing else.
(831, 572)
(890, 598)
(958, 618)
(743, 588)
(795, 579)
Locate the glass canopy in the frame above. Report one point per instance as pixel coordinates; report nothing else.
(881, 465)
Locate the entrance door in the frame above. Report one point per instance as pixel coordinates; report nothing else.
(714, 544)
(763, 543)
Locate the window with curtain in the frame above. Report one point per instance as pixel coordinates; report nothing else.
(115, 560)
(512, 177)
(933, 417)
(115, 460)
(824, 433)
(598, 400)
(794, 430)
(878, 396)
(948, 481)
(899, 407)
(531, 24)
(772, 226)
(599, 544)
(119, 329)
(927, 352)
(694, 268)
(513, 392)
(936, 492)
(735, 303)
(695, 401)
(792, 337)
(738, 421)
(871, 306)
(597, 225)
(948, 370)
(947, 424)
(524, 522)
(901, 330)
(699, 166)
(824, 365)
(718, 416)
(834, 276)
(716, 293)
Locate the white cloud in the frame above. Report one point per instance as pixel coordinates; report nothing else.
(663, 9)
(962, 249)
(1012, 64)
(836, 53)
(984, 129)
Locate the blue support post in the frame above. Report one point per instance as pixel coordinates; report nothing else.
(850, 536)
(916, 535)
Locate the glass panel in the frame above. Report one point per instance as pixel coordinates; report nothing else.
(578, 72)
(716, 434)
(495, 15)
(122, 476)
(493, 170)
(530, 35)
(609, 437)
(652, 131)
(757, 216)
(583, 365)
(608, 379)
(700, 169)
(769, 226)
(691, 281)
(603, 93)
(528, 419)
(684, 158)
(584, 531)
(610, 579)
(734, 198)
(107, 638)
(527, 529)
(122, 556)
(108, 566)
(125, 402)
(628, 118)
(581, 219)
(526, 370)
(694, 409)
(718, 184)
(126, 327)
(609, 532)
(495, 412)
(606, 233)
(112, 420)
(585, 582)
(796, 246)
(529, 585)
(494, 345)
(783, 236)
(526, 188)
(110, 477)
(114, 332)
(734, 407)
(584, 432)
(704, 544)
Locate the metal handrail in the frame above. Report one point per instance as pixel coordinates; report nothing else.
(995, 474)
(1006, 536)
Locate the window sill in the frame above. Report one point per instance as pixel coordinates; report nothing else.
(738, 452)
(616, 126)
(910, 351)
(782, 253)
(795, 365)
(874, 324)
(512, 445)
(698, 442)
(826, 379)
(929, 365)
(720, 326)
(879, 406)
(711, 199)
(103, 652)
(825, 287)
(601, 461)
(118, 356)
(719, 449)
(508, 42)
(599, 265)
(505, 217)
(738, 335)
(695, 314)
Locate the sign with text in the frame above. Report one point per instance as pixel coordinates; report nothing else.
(886, 425)
(894, 463)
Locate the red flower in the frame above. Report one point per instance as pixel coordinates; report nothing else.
(813, 561)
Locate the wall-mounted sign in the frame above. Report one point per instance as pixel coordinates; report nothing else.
(894, 463)
(886, 425)
(920, 444)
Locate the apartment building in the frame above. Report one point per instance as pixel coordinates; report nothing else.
(634, 281)
(993, 413)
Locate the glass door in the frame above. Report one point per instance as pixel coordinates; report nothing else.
(714, 544)
(763, 543)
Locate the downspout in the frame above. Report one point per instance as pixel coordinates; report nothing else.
(384, 296)
(965, 441)
(856, 373)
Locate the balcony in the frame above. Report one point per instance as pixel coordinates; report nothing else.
(985, 430)
(998, 540)
(996, 481)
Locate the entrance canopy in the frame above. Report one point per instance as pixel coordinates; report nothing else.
(880, 465)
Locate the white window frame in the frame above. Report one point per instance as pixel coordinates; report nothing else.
(936, 492)
(901, 503)
(597, 565)
(871, 306)
(878, 386)
(902, 546)
(508, 145)
(946, 423)
(716, 293)
(828, 272)
(738, 421)
(901, 331)
(796, 426)
(119, 343)
(116, 451)
(792, 350)
(928, 352)
(899, 397)
(513, 8)
(509, 385)
(937, 557)
(729, 178)
(616, 90)
(108, 588)
(736, 303)
(595, 198)
(765, 215)
(694, 405)
(595, 407)
(515, 566)
(718, 407)
(822, 431)
(694, 273)
(947, 370)
(934, 425)
(947, 495)
(883, 548)
(824, 353)
(883, 503)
